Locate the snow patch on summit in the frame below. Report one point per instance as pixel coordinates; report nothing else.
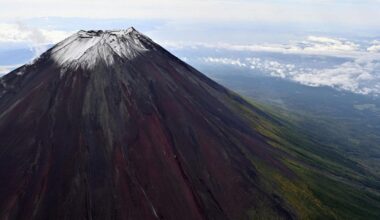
(86, 48)
(73, 50)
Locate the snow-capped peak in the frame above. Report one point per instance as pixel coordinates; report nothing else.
(85, 48)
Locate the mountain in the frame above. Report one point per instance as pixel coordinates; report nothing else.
(109, 125)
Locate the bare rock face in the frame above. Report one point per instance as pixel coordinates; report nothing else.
(109, 125)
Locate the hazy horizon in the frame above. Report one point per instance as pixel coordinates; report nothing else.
(327, 28)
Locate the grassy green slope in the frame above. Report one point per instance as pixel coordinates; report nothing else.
(329, 184)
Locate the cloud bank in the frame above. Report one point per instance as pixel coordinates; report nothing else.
(19, 32)
(38, 39)
(358, 72)
(313, 45)
(360, 76)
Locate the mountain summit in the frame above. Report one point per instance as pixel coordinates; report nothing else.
(89, 47)
(109, 125)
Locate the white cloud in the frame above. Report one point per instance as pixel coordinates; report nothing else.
(19, 32)
(363, 78)
(226, 61)
(314, 45)
(375, 47)
(38, 39)
(272, 67)
(360, 75)
(326, 44)
(323, 40)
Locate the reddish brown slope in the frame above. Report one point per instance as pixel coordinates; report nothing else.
(147, 137)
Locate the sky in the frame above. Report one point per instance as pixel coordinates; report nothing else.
(360, 12)
(197, 20)
(339, 28)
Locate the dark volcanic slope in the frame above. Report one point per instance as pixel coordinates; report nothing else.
(109, 125)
